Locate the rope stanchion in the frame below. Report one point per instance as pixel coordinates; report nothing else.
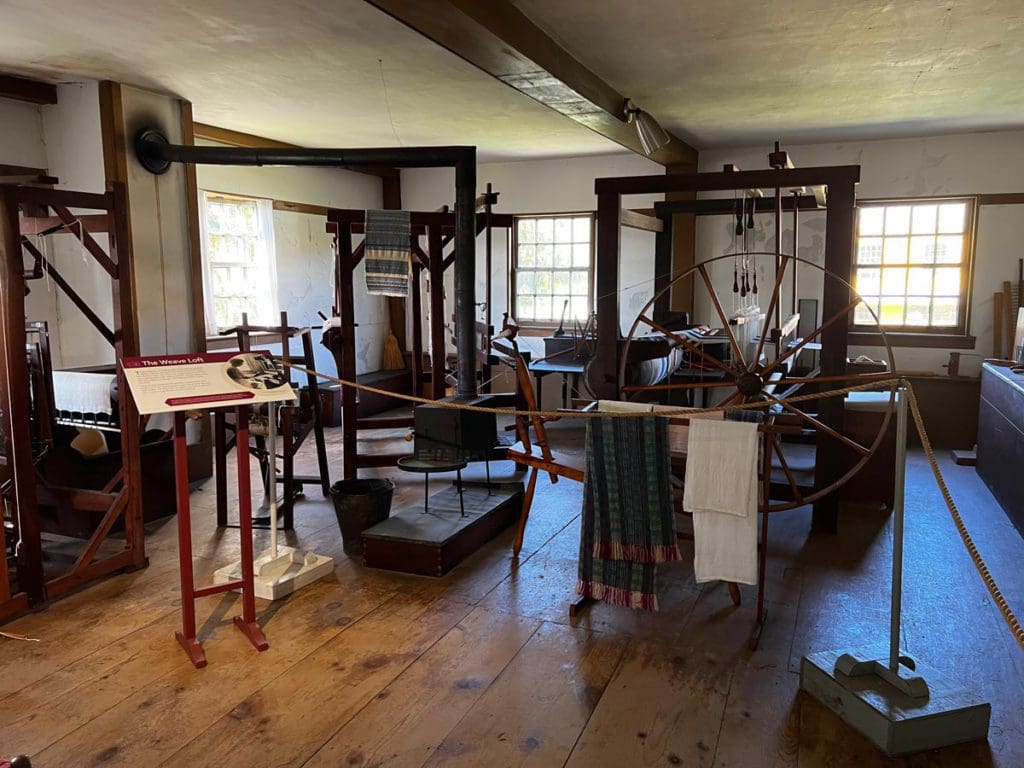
(1000, 600)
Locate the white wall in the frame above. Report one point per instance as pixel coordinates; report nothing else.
(21, 126)
(944, 165)
(22, 129)
(305, 255)
(74, 153)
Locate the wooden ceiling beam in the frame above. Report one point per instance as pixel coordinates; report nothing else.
(502, 41)
(240, 139)
(23, 89)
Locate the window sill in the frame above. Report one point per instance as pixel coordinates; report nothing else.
(538, 329)
(905, 339)
(231, 342)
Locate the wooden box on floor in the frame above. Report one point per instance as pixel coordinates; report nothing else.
(432, 543)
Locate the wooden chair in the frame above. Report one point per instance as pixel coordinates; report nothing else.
(538, 455)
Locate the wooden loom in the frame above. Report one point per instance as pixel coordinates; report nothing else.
(439, 229)
(31, 210)
(605, 375)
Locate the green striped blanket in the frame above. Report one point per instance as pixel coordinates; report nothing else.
(628, 522)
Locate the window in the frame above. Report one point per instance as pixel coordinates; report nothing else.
(239, 268)
(912, 264)
(552, 267)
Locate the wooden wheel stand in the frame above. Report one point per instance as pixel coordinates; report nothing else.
(246, 623)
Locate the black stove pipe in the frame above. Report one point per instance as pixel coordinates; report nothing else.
(156, 154)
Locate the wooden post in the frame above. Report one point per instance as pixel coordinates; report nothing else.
(605, 384)
(435, 256)
(126, 344)
(417, 329)
(663, 270)
(15, 403)
(346, 310)
(839, 219)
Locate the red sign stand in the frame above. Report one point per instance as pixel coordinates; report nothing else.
(189, 593)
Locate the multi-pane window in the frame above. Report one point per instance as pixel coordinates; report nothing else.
(553, 257)
(238, 261)
(912, 263)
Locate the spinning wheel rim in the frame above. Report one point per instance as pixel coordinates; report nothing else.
(643, 318)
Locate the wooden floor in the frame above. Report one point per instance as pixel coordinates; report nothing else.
(484, 668)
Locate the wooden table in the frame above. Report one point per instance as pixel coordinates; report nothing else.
(568, 368)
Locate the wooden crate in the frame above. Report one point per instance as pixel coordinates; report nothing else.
(432, 543)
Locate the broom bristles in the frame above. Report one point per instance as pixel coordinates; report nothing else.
(393, 357)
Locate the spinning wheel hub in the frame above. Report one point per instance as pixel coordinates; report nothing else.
(750, 384)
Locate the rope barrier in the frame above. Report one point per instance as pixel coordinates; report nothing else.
(1000, 600)
(979, 562)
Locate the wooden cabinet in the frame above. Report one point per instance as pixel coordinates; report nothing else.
(1001, 438)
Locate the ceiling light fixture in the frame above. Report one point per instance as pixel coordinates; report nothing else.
(652, 136)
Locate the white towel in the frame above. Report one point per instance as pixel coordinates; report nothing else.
(721, 493)
(678, 434)
(81, 392)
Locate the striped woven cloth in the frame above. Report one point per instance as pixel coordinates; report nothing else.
(628, 523)
(387, 252)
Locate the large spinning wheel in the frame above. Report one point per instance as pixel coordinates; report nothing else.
(758, 369)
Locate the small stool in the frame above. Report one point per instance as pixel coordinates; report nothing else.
(428, 465)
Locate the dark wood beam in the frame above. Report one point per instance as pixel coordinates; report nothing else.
(19, 174)
(23, 89)
(240, 139)
(502, 41)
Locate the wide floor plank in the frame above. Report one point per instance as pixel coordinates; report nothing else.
(286, 721)
(404, 723)
(535, 710)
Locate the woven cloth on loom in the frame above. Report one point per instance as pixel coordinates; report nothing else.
(628, 523)
(387, 252)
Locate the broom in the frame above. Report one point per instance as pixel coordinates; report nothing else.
(393, 357)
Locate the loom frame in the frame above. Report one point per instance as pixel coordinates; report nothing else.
(439, 228)
(27, 209)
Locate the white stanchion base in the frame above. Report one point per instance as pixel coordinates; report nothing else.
(897, 723)
(276, 577)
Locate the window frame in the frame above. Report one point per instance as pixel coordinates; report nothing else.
(544, 325)
(956, 336)
(266, 237)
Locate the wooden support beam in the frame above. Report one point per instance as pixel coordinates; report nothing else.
(15, 398)
(20, 174)
(288, 205)
(195, 244)
(637, 220)
(240, 139)
(502, 41)
(23, 89)
(70, 292)
(94, 223)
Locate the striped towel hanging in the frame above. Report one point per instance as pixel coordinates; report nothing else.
(387, 252)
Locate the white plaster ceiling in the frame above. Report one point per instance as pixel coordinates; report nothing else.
(717, 73)
(740, 72)
(305, 72)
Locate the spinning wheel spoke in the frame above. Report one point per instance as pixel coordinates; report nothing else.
(721, 314)
(771, 310)
(837, 379)
(689, 345)
(785, 468)
(822, 426)
(728, 399)
(812, 336)
(687, 385)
